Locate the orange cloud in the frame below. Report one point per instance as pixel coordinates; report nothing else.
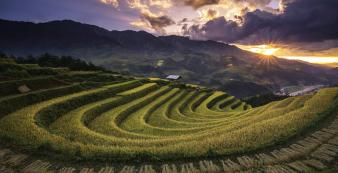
(208, 14)
(148, 19)
(164, 4)
(115, 3)
(200, 3)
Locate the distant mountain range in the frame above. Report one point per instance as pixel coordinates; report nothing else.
(207, 63)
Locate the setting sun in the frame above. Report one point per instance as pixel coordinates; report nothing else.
(282, 52)
(261, 49)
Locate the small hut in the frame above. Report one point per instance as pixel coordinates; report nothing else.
(23, 89)
(173, 77)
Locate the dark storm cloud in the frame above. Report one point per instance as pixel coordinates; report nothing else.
(301, 21)
(200, 3)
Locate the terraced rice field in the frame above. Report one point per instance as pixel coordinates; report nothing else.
(163, 128)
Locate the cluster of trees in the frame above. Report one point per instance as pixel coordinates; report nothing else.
(47, 60)
(260, 100)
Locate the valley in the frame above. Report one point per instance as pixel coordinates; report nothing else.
(207, 63)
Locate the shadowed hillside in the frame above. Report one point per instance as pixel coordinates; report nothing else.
(207, 63)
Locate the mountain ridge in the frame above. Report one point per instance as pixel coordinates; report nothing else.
(117, 37)
(208, 63)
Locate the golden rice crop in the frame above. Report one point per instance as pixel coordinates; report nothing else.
(131, 120)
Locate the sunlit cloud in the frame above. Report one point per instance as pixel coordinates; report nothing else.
(208, 14)
(140, 6)
(205, 10)
(141, 24)
(243, 22)
(114, 3)
(200, 3)
(284, 3)
(165, 4)
(152, 16)
(157, 23)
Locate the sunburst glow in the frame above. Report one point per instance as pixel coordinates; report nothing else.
(261, 49)
(313, 59)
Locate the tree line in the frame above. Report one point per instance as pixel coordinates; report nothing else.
(48, 60)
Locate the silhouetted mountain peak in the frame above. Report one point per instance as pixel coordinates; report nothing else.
(70, 33)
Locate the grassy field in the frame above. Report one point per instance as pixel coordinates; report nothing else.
(99, 117)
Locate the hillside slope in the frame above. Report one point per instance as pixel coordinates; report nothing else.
(95, 121)
(206, 63)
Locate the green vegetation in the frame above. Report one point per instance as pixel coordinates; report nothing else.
(99, 116)
(47, 60)
(12, 68)
(260, 100)
(116, 121)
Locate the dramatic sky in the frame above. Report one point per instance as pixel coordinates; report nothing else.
(301, 29)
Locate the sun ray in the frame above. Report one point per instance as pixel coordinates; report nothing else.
(265, 49)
